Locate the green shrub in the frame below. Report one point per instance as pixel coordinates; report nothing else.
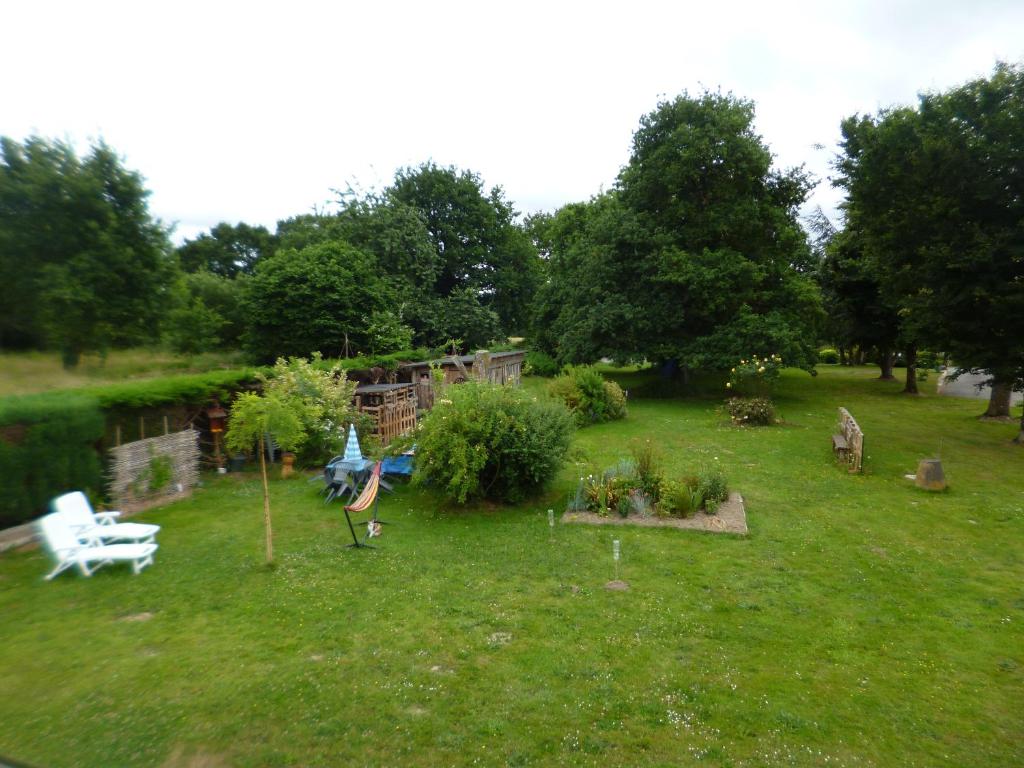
(47, 447)
(591, 399)
(540, 364)
(323, 401)
(751, 411)
(755, 377)
(488, 441)
(828, 356)
(713, 487)
(648, 469)
(675, 499)
(927, 359)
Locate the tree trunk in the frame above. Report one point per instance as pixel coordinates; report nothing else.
(70, 355)
(998, 400)
(885, 361)
(266, 503)
(1019, 439)
(859, 360)
(842, 356)
(910, 388)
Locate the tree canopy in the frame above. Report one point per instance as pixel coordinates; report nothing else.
(455, 263)
(935, 198)
(83, 265)
(695, 256)
(314, 299)
(476, 242)
(228, 250)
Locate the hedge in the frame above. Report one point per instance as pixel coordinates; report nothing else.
(172, 390)
(47, 447)
(51, 443)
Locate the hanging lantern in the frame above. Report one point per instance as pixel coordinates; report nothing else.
(216, 415)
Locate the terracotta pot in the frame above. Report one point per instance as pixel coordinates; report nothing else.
(287, 464)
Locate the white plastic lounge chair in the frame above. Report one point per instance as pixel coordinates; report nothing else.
(67, 550)
(99, 527)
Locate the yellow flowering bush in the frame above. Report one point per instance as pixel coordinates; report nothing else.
(754, 376)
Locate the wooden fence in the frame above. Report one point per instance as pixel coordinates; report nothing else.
(153, 471)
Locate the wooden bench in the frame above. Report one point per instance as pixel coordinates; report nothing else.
(848, 442)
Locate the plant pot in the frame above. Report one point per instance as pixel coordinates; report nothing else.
(287, 464)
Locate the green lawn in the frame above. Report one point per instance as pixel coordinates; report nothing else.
(861, 623)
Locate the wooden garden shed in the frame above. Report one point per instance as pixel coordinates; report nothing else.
(496, 367)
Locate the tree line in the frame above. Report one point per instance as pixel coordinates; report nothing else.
(696, 256)
(931, 253)
(432, 260)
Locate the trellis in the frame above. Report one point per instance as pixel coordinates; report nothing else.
(155, 470)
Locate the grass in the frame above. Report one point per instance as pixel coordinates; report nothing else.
(862, 623)
(28, 372)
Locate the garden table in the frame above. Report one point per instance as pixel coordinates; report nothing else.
(357, 469)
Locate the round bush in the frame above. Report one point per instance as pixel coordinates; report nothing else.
(828, 356)
(591, 399)
(486, 441)
(541, 364)
(751, 411)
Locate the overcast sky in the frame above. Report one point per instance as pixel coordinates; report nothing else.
(255, 111)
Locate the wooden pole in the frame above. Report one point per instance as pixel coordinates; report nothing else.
(166, 430)
(117, 432)
(142, 427)
(266, 503)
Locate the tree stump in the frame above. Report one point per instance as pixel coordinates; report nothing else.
(930, 475)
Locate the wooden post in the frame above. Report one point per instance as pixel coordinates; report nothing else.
(142, 427)
(266, 502)
(166, 430)
(481, 365)
(117, 433)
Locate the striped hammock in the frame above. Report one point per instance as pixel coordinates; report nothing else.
(369, 494)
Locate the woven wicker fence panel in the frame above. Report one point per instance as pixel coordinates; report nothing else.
(149, 472)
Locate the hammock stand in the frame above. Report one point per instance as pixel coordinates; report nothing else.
(368, 498)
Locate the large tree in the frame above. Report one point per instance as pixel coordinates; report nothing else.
(889, 182)
(697, 256)
(229, 250)
(936, 197)
(858, 315)
(477, 242)
(456, 264)
(318, 299)
(83, 265)
(973, 266)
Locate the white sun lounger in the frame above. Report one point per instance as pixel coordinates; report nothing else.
(67, 550)
(99, 527)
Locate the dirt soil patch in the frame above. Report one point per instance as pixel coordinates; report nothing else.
(731, 517)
